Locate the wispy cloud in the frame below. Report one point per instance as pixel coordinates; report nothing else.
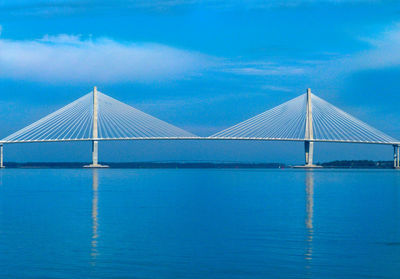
(63, 39)
(49, 7)
(70, 58)
(276, 88)
(382, 51)
(262, 68)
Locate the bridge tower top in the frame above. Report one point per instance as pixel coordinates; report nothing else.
(309, 135)
(95, 113)
(309, 119)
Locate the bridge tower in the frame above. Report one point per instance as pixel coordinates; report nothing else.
(308, 143)
(95, 143)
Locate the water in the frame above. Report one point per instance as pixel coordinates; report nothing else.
(111, 223)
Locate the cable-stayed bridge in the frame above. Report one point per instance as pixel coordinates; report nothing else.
(97, 117)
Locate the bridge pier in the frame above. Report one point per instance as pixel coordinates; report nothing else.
(396, 156)
(95, 143)
(309, 153)
(95, 152)
(1, 156)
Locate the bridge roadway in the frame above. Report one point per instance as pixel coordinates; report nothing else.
(200, 138)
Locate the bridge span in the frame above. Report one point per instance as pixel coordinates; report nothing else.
(97, 117)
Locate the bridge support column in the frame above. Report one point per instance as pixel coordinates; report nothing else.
(95, 143)
(396, 156)
(95, 153)
(1, 156)
(309, 152)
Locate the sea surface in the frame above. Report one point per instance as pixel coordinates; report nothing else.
(199, 223)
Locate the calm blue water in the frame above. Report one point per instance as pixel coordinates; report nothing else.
(111, 223)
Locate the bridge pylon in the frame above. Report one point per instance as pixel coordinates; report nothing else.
(309, 135)
(95, 143)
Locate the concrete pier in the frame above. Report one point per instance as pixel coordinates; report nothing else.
(1, 156)
(396, 157)
(309, 152)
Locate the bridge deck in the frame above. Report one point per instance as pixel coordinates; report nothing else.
(199, 138)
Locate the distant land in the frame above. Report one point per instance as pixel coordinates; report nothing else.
(365, 164)
(349, 164)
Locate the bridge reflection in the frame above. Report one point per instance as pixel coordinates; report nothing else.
(309, 216)
(95, 224)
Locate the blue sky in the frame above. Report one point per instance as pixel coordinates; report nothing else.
(200, 65)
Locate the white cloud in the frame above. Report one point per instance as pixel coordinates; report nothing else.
(69, 58)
